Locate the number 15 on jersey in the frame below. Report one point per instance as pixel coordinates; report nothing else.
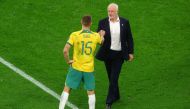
(86, 48)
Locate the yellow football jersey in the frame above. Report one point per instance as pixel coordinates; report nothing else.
(84, 44)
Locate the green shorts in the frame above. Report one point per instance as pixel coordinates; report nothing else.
(75, 77)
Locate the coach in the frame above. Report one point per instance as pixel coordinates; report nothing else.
(117, 47)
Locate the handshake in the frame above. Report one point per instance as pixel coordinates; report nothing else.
(102, 32)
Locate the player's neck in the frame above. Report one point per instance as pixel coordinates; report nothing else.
(85, 28)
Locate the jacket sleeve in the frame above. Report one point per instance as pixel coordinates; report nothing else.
(100, 26)
(130, 42)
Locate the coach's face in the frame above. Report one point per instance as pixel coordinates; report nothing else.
(112, 12)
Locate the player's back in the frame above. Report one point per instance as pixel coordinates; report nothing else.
(84, 44)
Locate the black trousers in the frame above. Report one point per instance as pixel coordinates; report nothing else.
(113, 66)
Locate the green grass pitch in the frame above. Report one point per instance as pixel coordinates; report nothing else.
(34, 32)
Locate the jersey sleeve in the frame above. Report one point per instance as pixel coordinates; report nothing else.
(70, 40)
(99, 40)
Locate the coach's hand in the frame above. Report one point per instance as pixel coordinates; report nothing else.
(131, 57)
(102, 32)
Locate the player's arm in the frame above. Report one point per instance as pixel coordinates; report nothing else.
(102, 34)
(66, 53)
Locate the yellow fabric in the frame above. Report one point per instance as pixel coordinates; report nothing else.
(84, 44)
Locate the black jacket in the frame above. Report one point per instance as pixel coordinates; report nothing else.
(126, 38)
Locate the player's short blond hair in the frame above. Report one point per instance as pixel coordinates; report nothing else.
(86, 20)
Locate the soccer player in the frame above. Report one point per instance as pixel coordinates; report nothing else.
(82, 65)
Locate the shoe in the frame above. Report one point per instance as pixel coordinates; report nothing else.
(108, 106)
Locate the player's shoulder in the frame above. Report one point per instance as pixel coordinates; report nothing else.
(75, 33)
(95, 33)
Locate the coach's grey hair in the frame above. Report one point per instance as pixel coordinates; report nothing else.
(114, 4)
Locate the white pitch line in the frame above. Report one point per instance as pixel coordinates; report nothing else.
(34, 81)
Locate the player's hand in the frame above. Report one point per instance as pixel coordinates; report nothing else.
(102, 32)
(70, 62)
(131, 57)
